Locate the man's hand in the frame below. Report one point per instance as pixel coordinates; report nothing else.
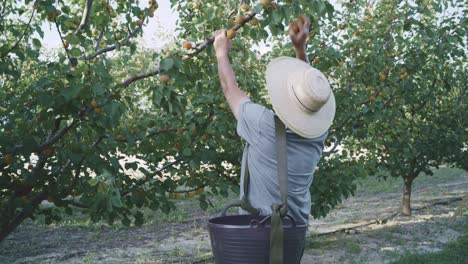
(221, 44)
(298, 31)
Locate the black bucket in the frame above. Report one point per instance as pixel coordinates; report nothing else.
(245, 239)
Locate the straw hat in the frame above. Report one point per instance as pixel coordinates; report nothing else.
(301, 96)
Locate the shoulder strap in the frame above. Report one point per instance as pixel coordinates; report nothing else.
(279, 210)
(244, 202)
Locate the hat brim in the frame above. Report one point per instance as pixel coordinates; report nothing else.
(305, 124)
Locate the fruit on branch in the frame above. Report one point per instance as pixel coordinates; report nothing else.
(294, 27)
(94, 103)
(164, 78)
(231, 33)
(382, 76)
(177, 146)
(253, 22)
(120, 137)
(187, 45)
(196, 5)
(245, 7)
(265, 2)
(316, 60)
(269, 6)
(180, 131)
(114, 24)
(195, 132)
(404, 76)
(73, 68)
(8, 159)
(240, 19)
(47, 152)
(138, 23)
(169, 54)
(66, 44)
(204, 138)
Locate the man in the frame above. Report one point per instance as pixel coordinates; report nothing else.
(302, 99)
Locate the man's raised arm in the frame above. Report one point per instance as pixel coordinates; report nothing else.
(231, 91)
(298, 31)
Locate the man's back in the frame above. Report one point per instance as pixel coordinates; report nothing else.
(256, 126)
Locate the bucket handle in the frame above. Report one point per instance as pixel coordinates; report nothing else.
(233, 204)
(256, 223)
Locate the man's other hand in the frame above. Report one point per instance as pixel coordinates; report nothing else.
(298, 31)
(221, 44)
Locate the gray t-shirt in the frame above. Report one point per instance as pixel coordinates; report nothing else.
(256, 126)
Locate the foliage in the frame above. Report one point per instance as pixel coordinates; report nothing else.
(69, 119)
(399, 71)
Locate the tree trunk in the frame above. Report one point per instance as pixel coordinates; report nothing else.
(407, 182)
(23, 215)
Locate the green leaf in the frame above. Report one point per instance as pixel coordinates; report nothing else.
(139, 220)
(75, 52)
(126, 222)
(115, 199)
(37, 43)
(166, 63)
(71, 92)
(114, 111)
(187, 152)
(258, 8)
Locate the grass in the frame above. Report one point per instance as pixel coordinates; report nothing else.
(453, 253)
(184, 211)
(374, 185)
(185, 208)
(353, 247)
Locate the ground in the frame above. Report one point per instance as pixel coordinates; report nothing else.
(364, 229)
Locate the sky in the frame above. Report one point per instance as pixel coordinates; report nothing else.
(164, 21)
(162, 24)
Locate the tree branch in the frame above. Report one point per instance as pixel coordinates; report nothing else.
(24, 214)
(98, 42)
(57, 136)
(76, 204)
(179, 159)
(85, 18)
(113, 46)
(140, 76)
(21, 37)
(78, 171)
(209, 41)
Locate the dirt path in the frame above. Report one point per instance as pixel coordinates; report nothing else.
(187, 242)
